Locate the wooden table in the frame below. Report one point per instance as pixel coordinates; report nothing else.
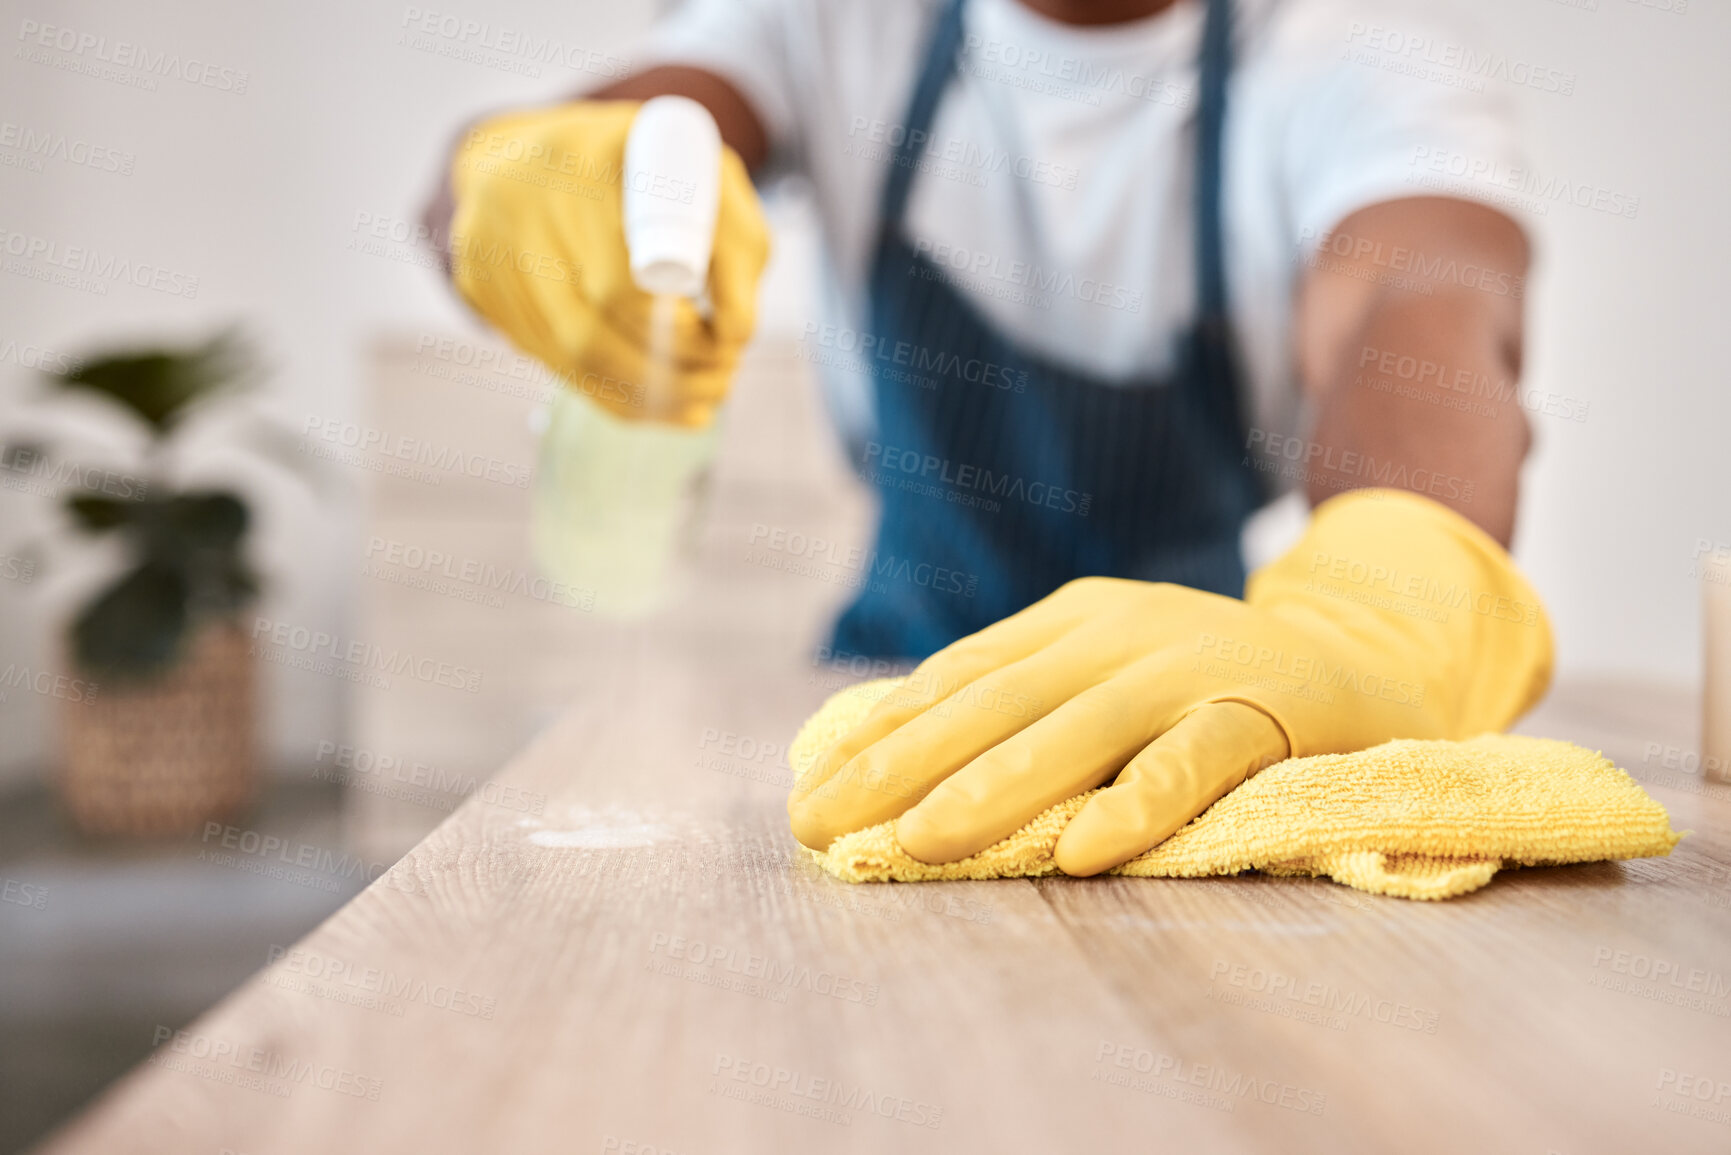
(646, 965)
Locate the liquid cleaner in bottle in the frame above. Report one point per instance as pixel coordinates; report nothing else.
(618, 501)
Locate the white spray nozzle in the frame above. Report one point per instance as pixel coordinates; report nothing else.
(672, 192)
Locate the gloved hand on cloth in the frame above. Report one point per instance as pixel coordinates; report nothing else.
(1394, 617)
(537, 247)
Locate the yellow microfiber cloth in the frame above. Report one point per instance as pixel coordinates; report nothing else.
(1414, 819)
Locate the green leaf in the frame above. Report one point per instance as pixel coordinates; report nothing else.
(211, 519)
(98, 514)
(160, 385)
(136, 627)
(228, 587)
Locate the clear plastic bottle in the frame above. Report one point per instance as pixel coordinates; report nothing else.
(617, 502)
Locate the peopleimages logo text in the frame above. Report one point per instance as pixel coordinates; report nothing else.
(907, 355)
(125, 54)
(891, 459)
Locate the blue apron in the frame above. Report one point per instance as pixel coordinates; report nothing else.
(1003, 475)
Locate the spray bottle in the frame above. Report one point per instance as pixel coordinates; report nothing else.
(617, 500)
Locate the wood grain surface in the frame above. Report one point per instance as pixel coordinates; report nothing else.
(637, 960)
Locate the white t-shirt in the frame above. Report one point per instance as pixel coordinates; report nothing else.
(1056, 186)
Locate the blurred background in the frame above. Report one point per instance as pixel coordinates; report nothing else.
(282, 194)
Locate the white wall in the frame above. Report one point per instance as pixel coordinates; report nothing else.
(257, 193)
(1627, 316)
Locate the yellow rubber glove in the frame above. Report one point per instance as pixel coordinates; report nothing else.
(1394, 617)
(538, 248)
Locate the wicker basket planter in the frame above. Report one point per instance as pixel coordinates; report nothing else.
(165, 755)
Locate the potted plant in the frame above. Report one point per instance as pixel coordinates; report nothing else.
(166, 741)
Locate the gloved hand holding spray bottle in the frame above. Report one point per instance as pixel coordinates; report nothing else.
(638, 286)
(616, 500)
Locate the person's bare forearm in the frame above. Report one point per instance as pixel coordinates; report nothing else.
(741, 130)
(1409, 343)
